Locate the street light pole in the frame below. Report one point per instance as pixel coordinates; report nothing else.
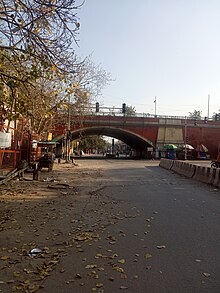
(68, 132)
(155, 106)
(185, 136)
(208, 106)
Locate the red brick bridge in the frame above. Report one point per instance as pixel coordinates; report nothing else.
(140, 133)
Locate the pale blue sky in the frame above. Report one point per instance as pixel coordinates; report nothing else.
(164, 48)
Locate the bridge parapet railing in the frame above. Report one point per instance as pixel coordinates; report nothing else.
(116, 113)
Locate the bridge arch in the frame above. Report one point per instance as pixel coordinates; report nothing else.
(134, 140)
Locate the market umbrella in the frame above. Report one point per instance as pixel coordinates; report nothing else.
(170, 147)
(188, 147)
(203, 148)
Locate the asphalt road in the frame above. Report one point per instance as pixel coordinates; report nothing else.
(109, 226)
(166, 234)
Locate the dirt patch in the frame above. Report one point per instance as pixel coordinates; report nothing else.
(39, 215)
(45, 222)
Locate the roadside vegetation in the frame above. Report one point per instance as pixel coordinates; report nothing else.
(40, 73)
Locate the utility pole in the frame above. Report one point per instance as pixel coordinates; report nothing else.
(155, 107)
(68, 132)
(208, 106)
(185, 140)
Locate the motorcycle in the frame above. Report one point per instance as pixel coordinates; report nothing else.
(216, 163)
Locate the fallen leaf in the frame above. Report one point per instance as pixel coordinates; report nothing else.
(118, 269)
(148, 255)
(33, 288)
(10, 281)
(28, 271)
(16, 274)
(123, 276)
(91, 266)
(5, 257)
(123, 287)
(161, 246)
(99, 285)
(78, 276)
(122, 261)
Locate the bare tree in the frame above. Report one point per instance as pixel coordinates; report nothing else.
(42, 30)
(38, 99)
(39, 70)
(195, 115)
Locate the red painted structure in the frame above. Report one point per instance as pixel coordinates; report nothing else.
(194, 132)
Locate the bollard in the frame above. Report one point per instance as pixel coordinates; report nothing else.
(36, 175)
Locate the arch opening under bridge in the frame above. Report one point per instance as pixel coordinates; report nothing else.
(133, 140)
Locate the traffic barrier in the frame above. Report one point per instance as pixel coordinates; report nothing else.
(216, 181)
(166, 163)
(212, 175)
(183, 168)
(187, 170)
(177, 165)
(204, 174)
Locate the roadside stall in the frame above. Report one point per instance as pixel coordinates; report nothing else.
(45, 154)
(202, 152)
(170, 151)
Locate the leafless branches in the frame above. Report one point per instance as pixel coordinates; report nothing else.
(43, 29)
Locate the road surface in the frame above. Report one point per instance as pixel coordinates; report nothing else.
(129, 226)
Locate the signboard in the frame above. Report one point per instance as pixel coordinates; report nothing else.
(50, 136)
(5, 140)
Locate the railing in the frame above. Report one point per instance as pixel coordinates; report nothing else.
(9, 158)
(114, 112)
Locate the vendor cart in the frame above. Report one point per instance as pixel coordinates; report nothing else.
(45, 155)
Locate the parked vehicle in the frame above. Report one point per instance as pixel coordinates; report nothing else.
(45, 155)
(216, 163)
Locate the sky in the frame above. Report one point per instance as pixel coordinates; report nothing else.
(168, 49)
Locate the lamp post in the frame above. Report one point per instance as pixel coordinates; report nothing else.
(68, 132)
(208, 106)
(185, 138)
(155, 107)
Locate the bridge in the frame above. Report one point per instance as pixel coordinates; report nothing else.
(141, 132)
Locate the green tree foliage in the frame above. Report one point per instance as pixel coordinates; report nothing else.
(216, 116)
(93, 142)
(130, 111)
(195, 115)
(38, 97)
(39, 71)
(36, 39)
